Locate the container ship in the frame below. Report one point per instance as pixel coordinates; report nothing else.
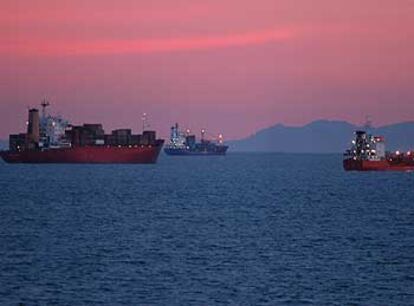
(185, 144)
(51, 139)
(367, 153)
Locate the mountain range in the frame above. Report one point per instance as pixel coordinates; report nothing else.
(322, 136)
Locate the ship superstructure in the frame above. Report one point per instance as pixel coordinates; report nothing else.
(53, 130)
(52, 139)
(184, 143)
(367, 153)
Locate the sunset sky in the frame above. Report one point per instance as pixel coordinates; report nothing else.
(231, 66)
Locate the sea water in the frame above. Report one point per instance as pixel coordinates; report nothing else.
(244, 229)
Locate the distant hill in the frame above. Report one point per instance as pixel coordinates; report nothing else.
(321, 136)
(4, 144)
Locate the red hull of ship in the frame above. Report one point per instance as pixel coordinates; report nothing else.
(89, 154)
(382, 165)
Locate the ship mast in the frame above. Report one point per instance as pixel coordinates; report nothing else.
(144, 121)
(368, 123)
(203, 132)
(220, 139)
(44, 104)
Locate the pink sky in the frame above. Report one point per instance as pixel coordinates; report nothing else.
(229, 66)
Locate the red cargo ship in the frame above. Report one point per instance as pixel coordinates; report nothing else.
(368, 154)
(53, 140)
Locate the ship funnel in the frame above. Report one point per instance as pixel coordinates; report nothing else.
(33, 128)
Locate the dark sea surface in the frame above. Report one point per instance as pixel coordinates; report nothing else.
(245, 229)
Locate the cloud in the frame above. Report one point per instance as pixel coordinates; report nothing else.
(103, 47)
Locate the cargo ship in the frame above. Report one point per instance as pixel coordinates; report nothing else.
(51, 139)
(184, 144)
(367, 153)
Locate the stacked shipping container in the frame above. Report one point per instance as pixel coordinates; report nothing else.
(93, 134)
